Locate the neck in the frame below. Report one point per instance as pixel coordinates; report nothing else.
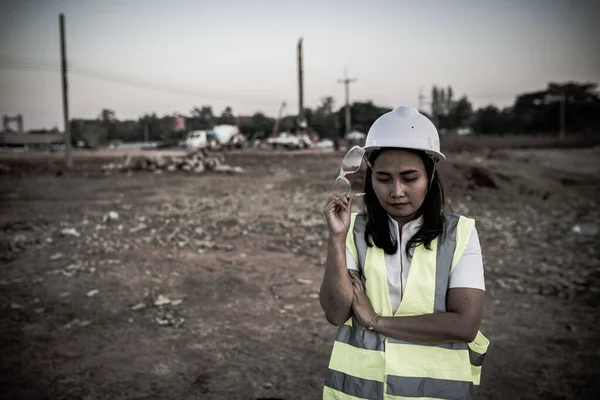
(404, 220)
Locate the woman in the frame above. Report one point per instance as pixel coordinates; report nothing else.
(403, 279)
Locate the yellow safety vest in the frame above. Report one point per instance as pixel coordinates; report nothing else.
(368, 365)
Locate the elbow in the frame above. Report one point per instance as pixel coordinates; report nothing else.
(334, 315)
(335, 320)
(470, 335)
(469, 332)
(331, 319)
(464, 328)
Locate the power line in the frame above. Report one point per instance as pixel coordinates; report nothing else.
(8, 65)
(128, 80)
(201, 92)
(132, 81)
(145, 84)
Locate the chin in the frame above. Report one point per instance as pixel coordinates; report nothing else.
(394, 212)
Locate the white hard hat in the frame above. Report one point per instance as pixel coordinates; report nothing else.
(405, 127)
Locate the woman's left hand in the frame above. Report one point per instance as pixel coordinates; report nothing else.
(361, 306)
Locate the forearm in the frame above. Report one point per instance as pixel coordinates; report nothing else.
(336, 290)
(435, 328)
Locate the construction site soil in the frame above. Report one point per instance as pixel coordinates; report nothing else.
(177, 285)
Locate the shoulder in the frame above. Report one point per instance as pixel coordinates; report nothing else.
(454, 220)
(460, 227)
(358, 221)
(452, 216)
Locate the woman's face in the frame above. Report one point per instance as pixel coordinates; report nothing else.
(400, 182)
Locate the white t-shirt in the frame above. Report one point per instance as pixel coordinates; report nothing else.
(468, 272)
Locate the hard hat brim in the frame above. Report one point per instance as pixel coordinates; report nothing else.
(435, 155)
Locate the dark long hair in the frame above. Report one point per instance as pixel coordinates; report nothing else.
(377, 230)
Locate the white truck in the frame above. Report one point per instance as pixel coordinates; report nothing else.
(196, 140)
(289, 141)
(221, 136)
(227, 136)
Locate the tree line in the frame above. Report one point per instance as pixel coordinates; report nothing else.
(576, 106)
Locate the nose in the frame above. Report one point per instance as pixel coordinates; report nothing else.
(397, 190)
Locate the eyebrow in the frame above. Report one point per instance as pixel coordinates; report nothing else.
(410, 171)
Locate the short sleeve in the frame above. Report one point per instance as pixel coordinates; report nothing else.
(351, 262)
(468, 272)
(351, 253)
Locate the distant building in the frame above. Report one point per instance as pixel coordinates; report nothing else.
(32, 139)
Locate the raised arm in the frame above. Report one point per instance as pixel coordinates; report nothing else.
(336, 294)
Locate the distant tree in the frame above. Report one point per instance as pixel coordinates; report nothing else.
(287, 123)
(362, 115)
(443, 102)
(324, 120)
(227, 117)
(256, 126)
(532, 112)
(435, 102)
(107, 115)
(540, 111)
(150, 123)
(491, 120)
(202, 118)
(460, 114)
(108, 120)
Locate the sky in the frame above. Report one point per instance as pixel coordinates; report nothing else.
(137, 57)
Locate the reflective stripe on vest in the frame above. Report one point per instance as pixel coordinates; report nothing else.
(369, 365)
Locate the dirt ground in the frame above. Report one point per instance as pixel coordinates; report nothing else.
(205, 286)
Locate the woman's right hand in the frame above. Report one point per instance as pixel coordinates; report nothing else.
(337, 213)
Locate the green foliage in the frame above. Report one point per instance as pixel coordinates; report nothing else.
(227, 117)
(536, 112)
(362, 116)
(323, 120)
(540, 111)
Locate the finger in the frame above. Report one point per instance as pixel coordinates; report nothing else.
(335, 205)
(353, 273)
(330, 199)
(341, 205)
(355, 277)
(340, 202)
(333, 196)
(329, 206)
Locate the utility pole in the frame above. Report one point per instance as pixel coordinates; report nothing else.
(300, 87)
(347, 81)
(65, 94)
(563, 106)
